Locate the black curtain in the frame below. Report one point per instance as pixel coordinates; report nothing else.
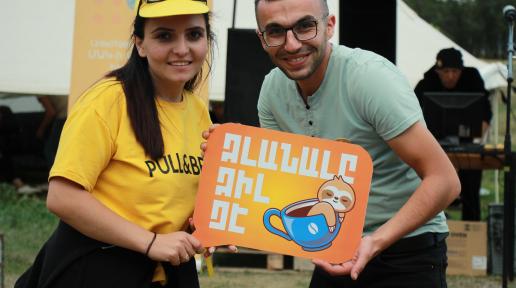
(370, 25)
(247, 65)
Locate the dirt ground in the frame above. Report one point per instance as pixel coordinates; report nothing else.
(257, 278)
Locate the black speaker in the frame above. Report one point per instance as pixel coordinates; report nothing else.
(370, 25)
(247, 65)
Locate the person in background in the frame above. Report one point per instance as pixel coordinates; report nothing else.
(9, 130)
(124, 208)
(217, 111)
(449, 74)
(51, 125)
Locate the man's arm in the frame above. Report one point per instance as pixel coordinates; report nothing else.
(476, 83)
(50, 114)
(439, 187)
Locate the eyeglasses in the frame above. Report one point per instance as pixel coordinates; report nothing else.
(304, 30)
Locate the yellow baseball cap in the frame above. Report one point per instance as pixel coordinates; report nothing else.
(163, 8)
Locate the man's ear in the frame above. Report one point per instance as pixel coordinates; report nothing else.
(260, 36)
(330, 25)
(138, 43)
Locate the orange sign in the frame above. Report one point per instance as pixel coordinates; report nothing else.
(282, 192)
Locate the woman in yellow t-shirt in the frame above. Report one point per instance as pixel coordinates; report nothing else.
(126, 172)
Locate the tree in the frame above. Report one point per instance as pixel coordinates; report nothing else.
(476, 25)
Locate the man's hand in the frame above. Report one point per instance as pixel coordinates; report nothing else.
(367, 250)
(205, 136)
(208, 252)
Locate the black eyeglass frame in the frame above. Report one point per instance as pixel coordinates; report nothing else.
(291, 28)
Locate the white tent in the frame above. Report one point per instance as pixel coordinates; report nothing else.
(418, 43)
(36, 50)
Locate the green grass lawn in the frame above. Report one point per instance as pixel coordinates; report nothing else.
(25, 224)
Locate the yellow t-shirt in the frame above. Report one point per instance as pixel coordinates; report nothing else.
(99, 151)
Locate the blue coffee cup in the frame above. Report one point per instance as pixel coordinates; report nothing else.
(310, 232)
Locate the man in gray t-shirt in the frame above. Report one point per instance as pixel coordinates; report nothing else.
(331, 91)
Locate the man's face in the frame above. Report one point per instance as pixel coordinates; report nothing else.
(449, 76)
(297, 59)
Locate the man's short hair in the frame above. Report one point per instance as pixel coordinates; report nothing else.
(324, 4)
(449, 58)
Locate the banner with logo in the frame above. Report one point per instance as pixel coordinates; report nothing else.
(101, 41)
(284, 193)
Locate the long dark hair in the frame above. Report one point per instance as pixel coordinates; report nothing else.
(140, 95)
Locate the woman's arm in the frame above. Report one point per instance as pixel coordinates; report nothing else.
(78, 208)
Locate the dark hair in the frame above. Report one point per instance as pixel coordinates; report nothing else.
(140, 95)
(324, 4)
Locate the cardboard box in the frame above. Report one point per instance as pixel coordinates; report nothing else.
(467, 248)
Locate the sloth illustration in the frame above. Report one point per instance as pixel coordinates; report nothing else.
(336, 198)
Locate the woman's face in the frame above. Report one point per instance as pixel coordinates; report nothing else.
(175, 47)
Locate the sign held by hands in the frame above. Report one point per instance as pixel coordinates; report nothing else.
(284, 193)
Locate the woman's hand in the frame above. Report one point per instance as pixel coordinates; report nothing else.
(208, 252)
(176, 247)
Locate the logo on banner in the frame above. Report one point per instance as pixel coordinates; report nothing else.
(131, 3)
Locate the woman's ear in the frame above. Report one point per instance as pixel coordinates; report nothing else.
(138, 42)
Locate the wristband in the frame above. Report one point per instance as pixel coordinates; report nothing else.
(150, 244)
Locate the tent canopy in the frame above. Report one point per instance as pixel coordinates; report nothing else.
(36, 50)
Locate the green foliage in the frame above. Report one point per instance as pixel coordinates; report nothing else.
(476, 25)
(26, 224)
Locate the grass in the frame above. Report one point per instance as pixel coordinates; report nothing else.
(26, 224)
